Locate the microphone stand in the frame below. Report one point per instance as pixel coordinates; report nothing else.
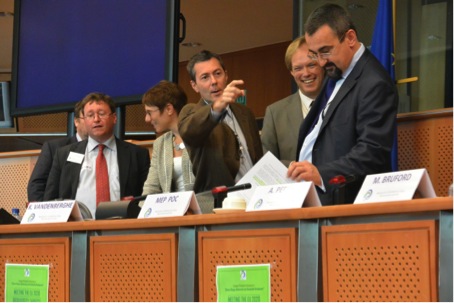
(340, 182)
(220, 192)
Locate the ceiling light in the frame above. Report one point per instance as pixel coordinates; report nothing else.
(354, 6)
(433, 37)
(6, 14)
(191, 44)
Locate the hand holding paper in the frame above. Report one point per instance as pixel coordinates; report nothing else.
(304, 171)
(267, 171)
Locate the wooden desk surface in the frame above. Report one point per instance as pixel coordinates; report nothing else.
(308, 288)
(350, 210)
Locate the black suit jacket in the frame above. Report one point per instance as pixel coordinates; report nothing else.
(38, 179)
(133, 165)
(356, 134)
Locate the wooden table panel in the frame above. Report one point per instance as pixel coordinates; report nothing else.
(54, 252)
(140, 268)
(380, 262)
(274, 246)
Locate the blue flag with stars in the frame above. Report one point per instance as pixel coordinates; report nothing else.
(383, 48)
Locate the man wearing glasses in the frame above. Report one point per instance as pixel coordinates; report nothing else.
(350, 129)
(101, 168)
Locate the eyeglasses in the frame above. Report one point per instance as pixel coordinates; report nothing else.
(325, 55)
(101, 115)
(318, 56)
(151, 111)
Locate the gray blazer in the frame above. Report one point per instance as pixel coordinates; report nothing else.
(280, 128)
(159, 178)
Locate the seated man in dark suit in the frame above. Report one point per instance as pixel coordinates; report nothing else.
(38, 179)
(101, 168)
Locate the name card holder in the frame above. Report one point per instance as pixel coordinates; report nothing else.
(52, 212)
(283, 196)
(169, 205)
(395, 186)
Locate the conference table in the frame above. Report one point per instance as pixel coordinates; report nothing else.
(389, 251)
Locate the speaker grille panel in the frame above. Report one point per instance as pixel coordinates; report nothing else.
(14, 176)
(427, 144)
(444, 154)
(47, 123)
(380, 262)
(412, 149)
(274, 247)
(52, 252)
(139, 268)
(135, 119)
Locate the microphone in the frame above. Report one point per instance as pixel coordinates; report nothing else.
(131, 198)
(220, 192)
(225, 189)
(340, 179)
(340, 182)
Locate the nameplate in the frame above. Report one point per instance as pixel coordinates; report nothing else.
(169, 205)
(395, 186)
(283, 196)
(51, 212)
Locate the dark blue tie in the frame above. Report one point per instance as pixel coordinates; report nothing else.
(328, 91)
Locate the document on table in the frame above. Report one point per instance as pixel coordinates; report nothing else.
(267, 171)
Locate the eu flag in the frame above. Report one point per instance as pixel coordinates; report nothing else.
(383, 48)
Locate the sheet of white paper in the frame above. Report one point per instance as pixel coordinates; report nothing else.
(267, 171)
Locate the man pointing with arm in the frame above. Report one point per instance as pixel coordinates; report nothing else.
(222, 136)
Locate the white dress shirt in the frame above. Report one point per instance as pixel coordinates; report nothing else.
(86, 190)
(306, 103)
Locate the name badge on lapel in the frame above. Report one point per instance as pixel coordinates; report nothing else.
(75, 157)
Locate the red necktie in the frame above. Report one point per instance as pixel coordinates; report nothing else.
(102, 177)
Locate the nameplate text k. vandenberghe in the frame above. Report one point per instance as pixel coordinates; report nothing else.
(51, 212)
